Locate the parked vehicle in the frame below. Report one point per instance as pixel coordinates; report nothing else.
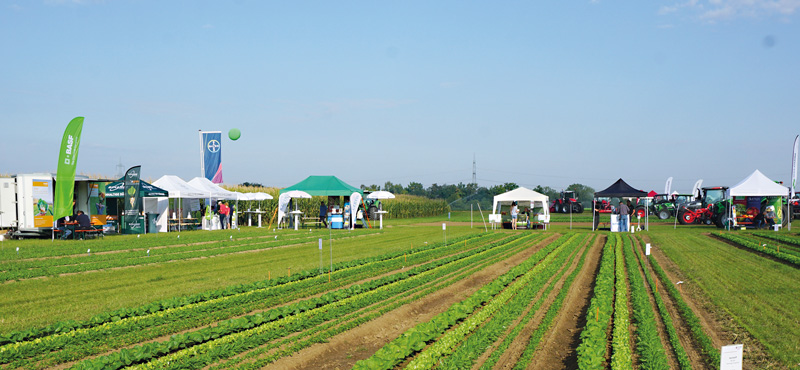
(665, 206)
(710, 209)
(567, 200)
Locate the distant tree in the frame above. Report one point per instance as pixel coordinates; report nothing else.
(415, 188)
(372, 187)
(584, 193)
(253, 184)
(393, 188)
(546, 190)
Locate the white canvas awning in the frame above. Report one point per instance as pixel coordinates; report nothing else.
(758, 185)
(178, 188)
(212, 190)
(521, 195)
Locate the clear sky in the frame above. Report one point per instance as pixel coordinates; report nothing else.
(540, 92)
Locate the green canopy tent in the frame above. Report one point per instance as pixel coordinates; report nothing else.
(324, 186)
(329, 186)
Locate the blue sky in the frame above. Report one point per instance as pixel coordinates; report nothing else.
(541, 93)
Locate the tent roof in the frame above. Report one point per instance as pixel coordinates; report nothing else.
(620, 189)
(117, 190)
(757, 184)
(178, 188)
(523, 194)
(324, 185)
(213, 190)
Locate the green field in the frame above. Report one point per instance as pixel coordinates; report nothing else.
(70, 299)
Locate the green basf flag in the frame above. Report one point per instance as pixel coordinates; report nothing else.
(67, 163)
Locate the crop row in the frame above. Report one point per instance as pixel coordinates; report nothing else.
(268, 353)
(621, 357)
(92, 262)
(468, 350)
(341, 270)
(59, 248)
(594, 336)
(126, 326)
(201, 347)
(710, 353)
(759, 247)
(648, 343)
(669, 327)
(547, 321)
(785, 238)
(416, 338)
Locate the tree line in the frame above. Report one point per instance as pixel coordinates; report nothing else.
(460, 196)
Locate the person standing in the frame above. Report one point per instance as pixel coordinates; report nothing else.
(323, 214)
(223, 215)
(514, 214)
(624, 212)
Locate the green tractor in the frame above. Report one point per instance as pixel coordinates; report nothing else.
(665, 206)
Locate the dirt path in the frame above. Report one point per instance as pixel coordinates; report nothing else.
(557, 349)
(343, 350)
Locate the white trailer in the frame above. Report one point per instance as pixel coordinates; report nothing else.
(26, 203)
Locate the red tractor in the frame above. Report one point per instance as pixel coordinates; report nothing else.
(710, 210)
(567, 201)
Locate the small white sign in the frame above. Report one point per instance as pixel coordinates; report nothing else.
(647, 249)
(320, 244)
(444, 226)
(730, 357)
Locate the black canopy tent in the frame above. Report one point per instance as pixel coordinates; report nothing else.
(619, 189)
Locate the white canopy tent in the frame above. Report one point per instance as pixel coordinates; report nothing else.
(519, 195)
(759, 185)
(212, 190)
(178, 189)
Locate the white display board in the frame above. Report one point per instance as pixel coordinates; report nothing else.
(730, 357)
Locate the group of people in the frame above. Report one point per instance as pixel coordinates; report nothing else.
(515, 215)
(765, 218)
(223, 211)
(82, 219)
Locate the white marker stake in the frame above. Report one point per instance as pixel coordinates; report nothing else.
(320, 255)
(148, 253)
(18, 251)
(89, 252)
(647, 251)
(444, 230)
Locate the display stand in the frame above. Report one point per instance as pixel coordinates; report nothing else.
(296, 215)
(614, 223)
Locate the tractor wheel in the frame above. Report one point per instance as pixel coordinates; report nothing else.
(663, 214)
(578, 208)
(686, 218)
(558, 207)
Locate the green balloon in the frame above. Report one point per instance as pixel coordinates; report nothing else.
(234, 134)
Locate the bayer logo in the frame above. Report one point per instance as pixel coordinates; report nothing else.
(213, 146)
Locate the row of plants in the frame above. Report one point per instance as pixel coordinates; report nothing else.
(126, 326)
(266, 354)
(784, 255)
(416, 338)
(621, 354)
(39, 249)
(93, 262)
(201, 347)
(648, 343)
(549, 317)
(463, 353)
(784, 238)
(710, 353)
(515, 331)
(594, 336)
(669, 327)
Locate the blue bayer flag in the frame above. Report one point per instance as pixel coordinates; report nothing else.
(211, 142)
